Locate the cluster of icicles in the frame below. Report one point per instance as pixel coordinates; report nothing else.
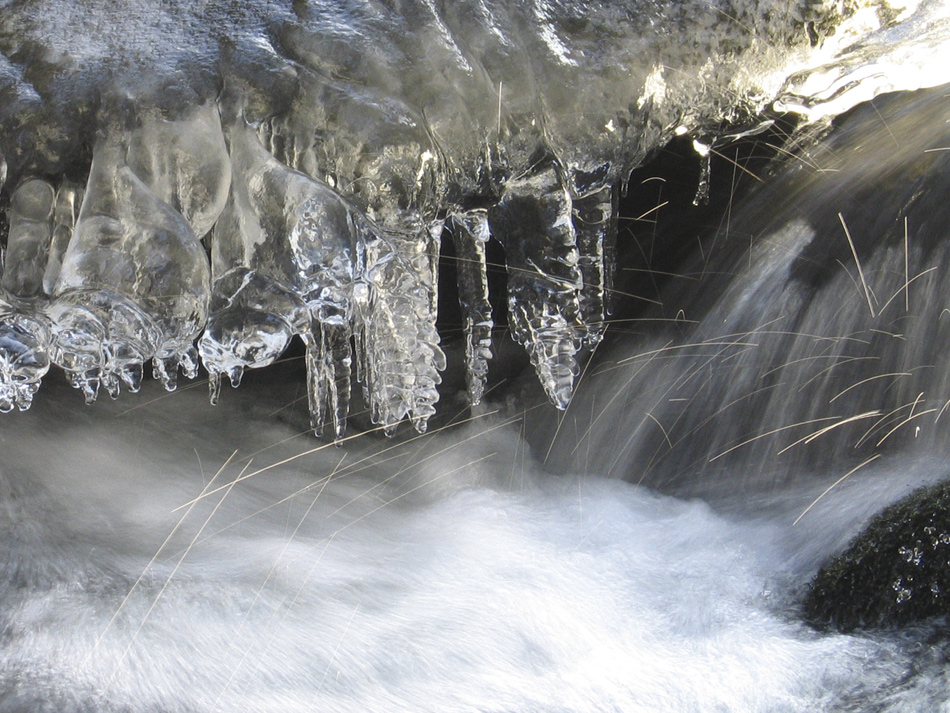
(191, 241)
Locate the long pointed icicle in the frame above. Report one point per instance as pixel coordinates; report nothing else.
(327, 244)
(470, 233)
(329, 361)
(595, 223)
(533, 221)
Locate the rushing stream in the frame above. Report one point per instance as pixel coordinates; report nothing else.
(200, 185)
(446, 574)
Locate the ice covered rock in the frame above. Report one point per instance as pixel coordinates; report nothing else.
(896, 572)
(355, 132)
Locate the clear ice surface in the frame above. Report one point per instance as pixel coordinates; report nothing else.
(470, 233)
(24, 353)
(28, 238)
(243, 173)
(24, 329)
(534, 222)
(133, 285)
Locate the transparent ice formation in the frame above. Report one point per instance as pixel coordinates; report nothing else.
(534, 221)
(133, 285)
(310, 157)
(24, 353)
(24, 329)
(470, 233)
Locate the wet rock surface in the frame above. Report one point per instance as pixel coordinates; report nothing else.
(894, 573)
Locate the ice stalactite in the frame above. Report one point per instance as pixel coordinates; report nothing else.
(400, 356)
(256, 308)
(24, 356)
(533, 220)
(24, 329)
(290, 257)
(284, 263)
(470, 233)
(595, 221)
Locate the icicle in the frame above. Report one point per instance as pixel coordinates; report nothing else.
(30, 216)
(24, 358)
(131, 376)
(252, 321)
(282, 256)
(188, 361)
(88, 383)
(470, 233)
(111, 383)
(185, 163)
(403, 357)
(329, 360)
(328, 243)
(596, 227)
(24, 330)
(77, 343)
(214, 388)
(235, 374)
(165, 369)
(309, 260)
(533, 222)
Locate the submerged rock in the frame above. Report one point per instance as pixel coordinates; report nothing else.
(896, 572)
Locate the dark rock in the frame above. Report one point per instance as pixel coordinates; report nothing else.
(896, 572)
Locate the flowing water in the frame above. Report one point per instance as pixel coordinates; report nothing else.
(445, 574)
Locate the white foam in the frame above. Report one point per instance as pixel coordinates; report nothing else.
(443, 575)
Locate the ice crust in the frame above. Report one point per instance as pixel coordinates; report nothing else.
(217, 178)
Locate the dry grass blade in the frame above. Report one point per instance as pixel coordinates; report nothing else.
(172, 574)
(864, 381)
(151, 563)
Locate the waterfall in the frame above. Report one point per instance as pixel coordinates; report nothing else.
(806, 334)
(535, 503)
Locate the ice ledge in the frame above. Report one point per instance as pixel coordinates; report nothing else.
(216, 179)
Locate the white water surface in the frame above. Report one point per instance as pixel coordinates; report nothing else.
(445, 573)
